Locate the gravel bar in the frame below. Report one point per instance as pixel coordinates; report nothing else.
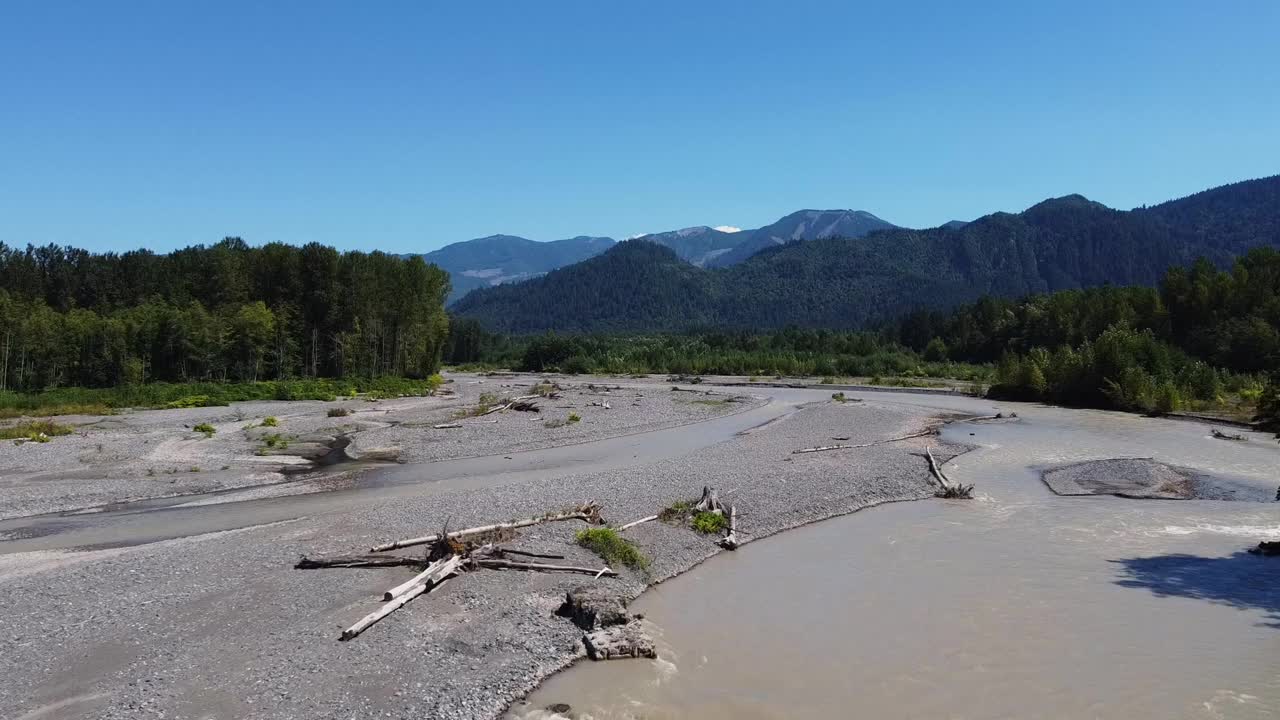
(221, 626)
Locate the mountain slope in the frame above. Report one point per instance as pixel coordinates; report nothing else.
(1063, 243)
(601, 294)
(804, 225)
(699, 245)
(506, 258)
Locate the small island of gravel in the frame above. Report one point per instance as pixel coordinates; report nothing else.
(1142, 478)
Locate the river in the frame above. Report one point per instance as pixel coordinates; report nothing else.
(1018, 604)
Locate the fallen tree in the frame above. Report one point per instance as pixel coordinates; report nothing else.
(587, 512)
(947, 489)
(824, 448)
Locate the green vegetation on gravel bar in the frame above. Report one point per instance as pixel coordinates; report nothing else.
(35, 430)
(613, 548)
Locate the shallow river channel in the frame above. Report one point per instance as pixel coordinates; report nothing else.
(1018, 604)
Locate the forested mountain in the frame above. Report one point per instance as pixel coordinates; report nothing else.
(498, 259)
(803, 225)
(226, 311)
(699, 245)
(1065, 243)
(506, 258)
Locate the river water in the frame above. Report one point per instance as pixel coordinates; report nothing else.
(1019, 604)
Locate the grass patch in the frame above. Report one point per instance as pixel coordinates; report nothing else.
(63, 409)
(544, 389)
(338, 412)
(557, 422)
(709, 523)
(35, 431)
(609, 545)
(99, 401)
(205, 428)
(712, 403)
(270, 421)
(275, 440)
(678, 512)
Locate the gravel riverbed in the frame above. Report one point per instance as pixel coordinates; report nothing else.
(156, 453)
(221, 626)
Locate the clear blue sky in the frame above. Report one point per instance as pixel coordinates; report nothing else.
(406, 126)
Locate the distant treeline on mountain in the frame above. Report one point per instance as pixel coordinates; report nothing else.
(498, 259)
(222, 312)
(1059, 244)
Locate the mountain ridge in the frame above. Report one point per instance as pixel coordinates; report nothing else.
(1057, 244)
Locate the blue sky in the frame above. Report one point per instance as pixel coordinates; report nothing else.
(406, 126)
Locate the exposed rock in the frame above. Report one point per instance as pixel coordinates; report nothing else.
(592, 608)
(620, 641)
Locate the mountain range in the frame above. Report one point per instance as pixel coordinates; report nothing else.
(841, 282)
(498, 259)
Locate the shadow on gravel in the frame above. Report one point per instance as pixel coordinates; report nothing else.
(1242, 580)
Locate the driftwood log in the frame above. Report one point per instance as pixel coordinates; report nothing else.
(588, 512)
(634, 523)
(357, 561)
(730, 541)
(824, 448)
(433, 578)
(947, 489)
(499, 564)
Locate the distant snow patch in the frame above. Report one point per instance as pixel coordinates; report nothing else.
(727, 228)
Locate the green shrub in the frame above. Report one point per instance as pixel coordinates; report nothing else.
(838, 397)
(574, 417)
(613, 548)
(270, 421)
(35, 431)
(205, 428)
(275, 440)
(338, 412)
(709, 523)
(194, 401)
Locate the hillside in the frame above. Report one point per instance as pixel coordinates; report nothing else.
(699, 245)
(1062, 243)
(800, 226)
(506, 258)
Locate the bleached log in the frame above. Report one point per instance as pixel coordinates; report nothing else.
(634, 523)
(730, 541)
(589, 513)
(497, 564)
(545, 556)
(824, 448)
(356, 561)
(446, 570)
(937, 471)
(446, 426)
(433, 572)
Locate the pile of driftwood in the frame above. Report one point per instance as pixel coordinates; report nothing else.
(451, 553)
(1229, 436)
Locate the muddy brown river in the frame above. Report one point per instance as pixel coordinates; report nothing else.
(1019, 604)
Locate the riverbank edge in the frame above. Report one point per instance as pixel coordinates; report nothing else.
(935, 423)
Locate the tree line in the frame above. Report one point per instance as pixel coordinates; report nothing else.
(225, 312)
(1201, 334)
(1204, 338)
